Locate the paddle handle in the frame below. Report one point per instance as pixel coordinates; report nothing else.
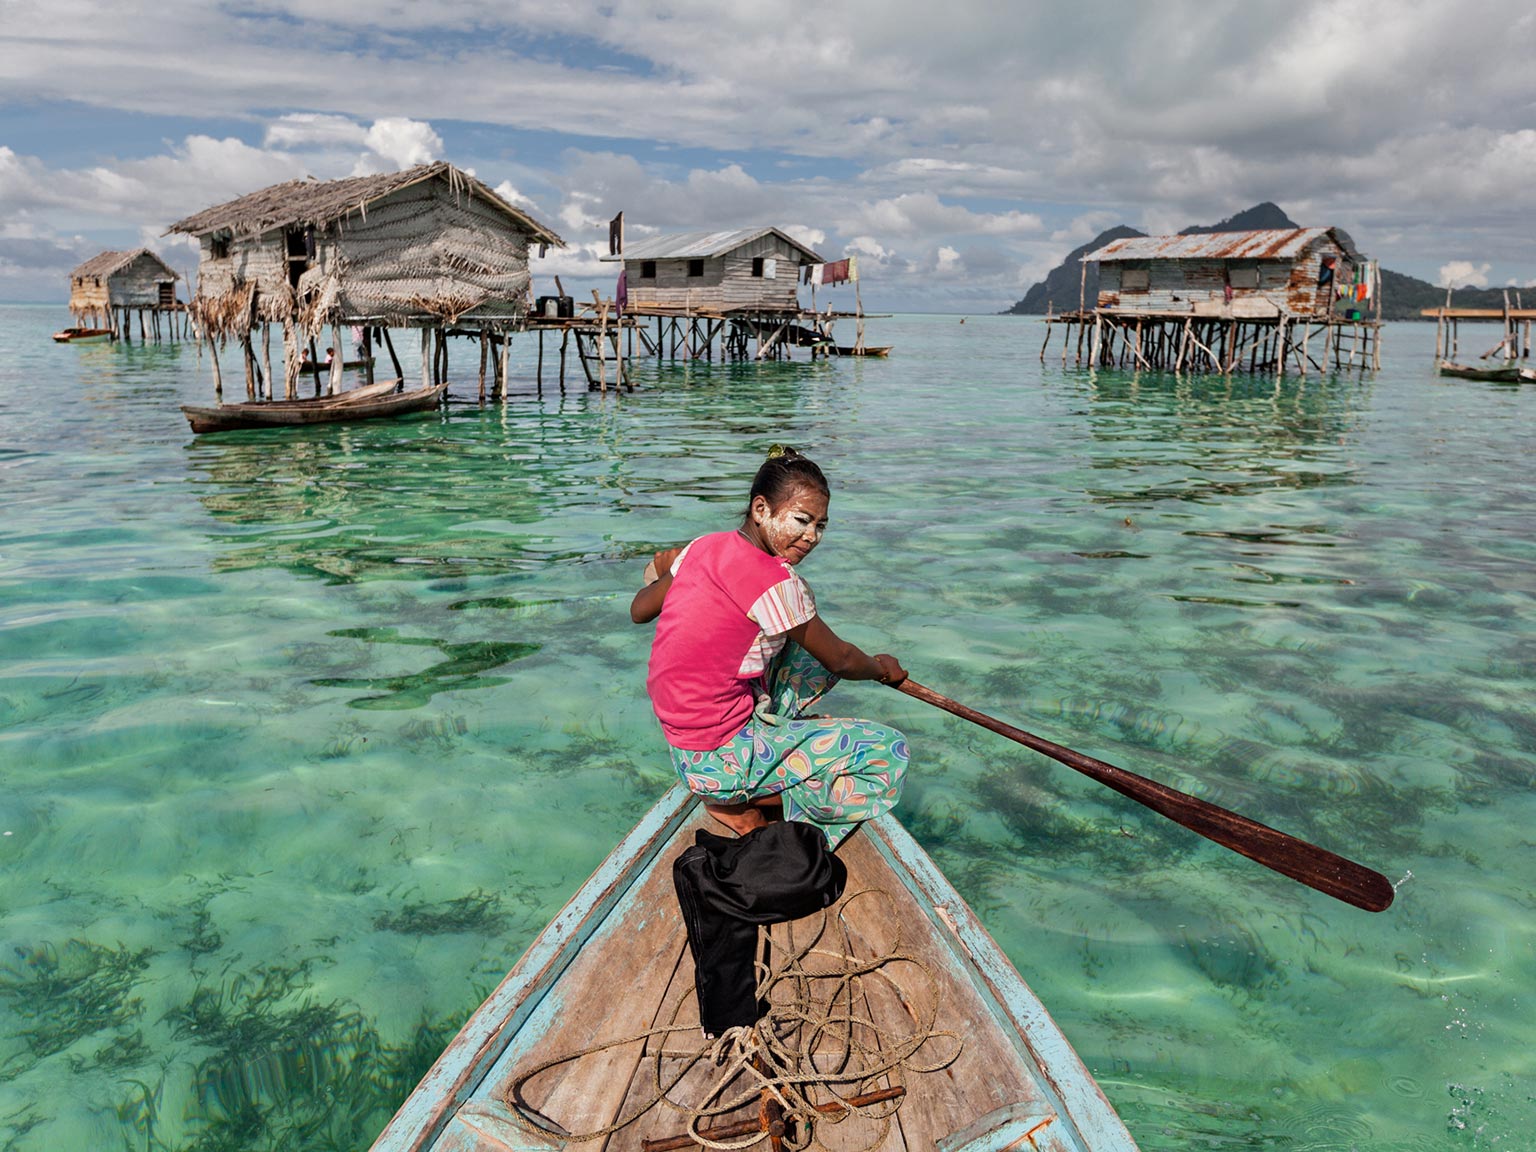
(1315, 867)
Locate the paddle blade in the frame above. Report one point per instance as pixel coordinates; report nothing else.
(1317, 868)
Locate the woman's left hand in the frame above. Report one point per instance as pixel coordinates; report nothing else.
(891, 671)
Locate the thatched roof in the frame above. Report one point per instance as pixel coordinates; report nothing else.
(299, 203)
(691, 245)
(108, 263)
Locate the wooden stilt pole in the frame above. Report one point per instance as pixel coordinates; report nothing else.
(485, 349)
(218, 377)
(247, 356)
(506, 357)
(394, 360)
(266, 355)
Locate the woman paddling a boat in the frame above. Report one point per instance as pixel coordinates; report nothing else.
(741, 655)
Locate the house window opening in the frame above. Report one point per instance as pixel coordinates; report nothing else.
(1243, 275)
(695, 268)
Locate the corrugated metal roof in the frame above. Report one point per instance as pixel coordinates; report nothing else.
(692, 245)
(1268, 244)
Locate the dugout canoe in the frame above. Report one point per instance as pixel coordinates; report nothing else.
(367, 403)
(82, 335)
(881, 350)
(614, 965)
(1505, 374)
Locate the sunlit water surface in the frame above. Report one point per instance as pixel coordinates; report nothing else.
(305, 734)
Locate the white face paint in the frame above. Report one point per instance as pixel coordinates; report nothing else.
(793, 528)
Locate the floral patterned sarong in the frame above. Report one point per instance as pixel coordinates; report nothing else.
(832, 773)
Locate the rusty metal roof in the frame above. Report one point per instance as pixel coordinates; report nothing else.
(691, 245)
(1267, 244)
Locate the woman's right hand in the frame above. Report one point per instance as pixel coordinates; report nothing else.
(660, 565)
(891, 671)
(657, 578)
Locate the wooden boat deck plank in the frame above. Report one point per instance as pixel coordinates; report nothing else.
(990, 1072)
(618, 982)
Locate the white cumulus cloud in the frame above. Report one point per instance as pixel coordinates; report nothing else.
(1463, 274)
(404, 142)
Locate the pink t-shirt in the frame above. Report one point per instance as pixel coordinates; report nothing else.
(726, 595)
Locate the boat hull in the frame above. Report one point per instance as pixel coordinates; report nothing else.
(83, 336)
(1505, 375)
(372, 402)
(615, 963)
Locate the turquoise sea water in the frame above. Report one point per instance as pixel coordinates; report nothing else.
(305, 734)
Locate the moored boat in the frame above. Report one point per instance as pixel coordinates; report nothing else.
(367, 403)
(82, 335)
(1507, 374)
(866, 350)
(570, 1050)
(320, 367)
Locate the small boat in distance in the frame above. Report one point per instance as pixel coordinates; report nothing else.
(366, 403)
(82, 335)
(1506, 373)
(867, 350)
(320, 367)
(592, 1041)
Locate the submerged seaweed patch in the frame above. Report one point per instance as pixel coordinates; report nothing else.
(68, 993)
(460, 669)
(284, 1071)
(479, 912)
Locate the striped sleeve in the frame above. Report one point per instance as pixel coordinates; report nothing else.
(786, 605)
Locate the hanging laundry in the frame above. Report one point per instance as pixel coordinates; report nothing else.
(835, 272)
(853, 267)
(621, 291)
(813, 273)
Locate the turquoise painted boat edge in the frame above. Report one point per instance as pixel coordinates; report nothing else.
(1077, 1096)
(456, 1074)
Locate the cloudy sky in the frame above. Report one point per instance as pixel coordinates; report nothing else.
(960, 148)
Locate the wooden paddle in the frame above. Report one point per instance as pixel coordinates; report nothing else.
(1313, 866)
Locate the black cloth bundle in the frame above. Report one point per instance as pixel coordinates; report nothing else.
(726, 887)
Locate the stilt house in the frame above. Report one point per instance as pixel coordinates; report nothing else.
(430, 247)
(1288, 271)
(114, 282)
(751, 269)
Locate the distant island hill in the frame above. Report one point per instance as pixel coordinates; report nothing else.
(1402, 297)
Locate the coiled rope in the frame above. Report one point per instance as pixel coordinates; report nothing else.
(813, 1036)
